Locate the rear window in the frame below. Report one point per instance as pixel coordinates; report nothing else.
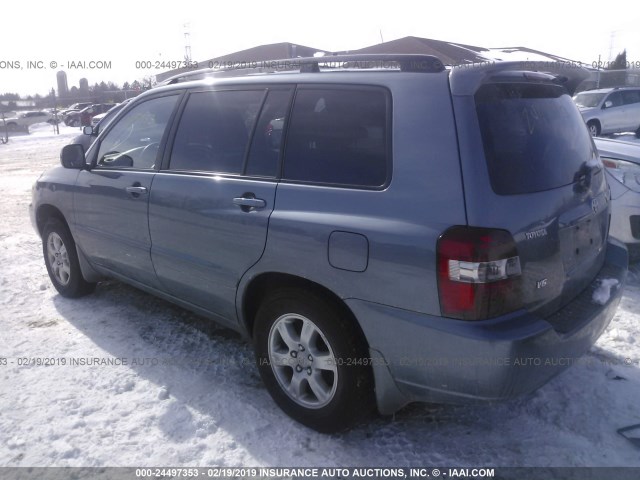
(534, 137)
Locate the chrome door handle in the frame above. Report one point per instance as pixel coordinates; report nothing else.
(136, 191)
(247, 203)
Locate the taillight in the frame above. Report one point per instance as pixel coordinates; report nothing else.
(479, 273)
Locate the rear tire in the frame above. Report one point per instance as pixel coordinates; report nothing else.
(313, 360)
(62, 262)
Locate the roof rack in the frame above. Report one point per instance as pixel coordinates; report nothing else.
(401, 62)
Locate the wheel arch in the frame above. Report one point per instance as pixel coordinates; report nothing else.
(260, 286)
(47, 211)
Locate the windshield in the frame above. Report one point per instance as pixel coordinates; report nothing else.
(588, 99)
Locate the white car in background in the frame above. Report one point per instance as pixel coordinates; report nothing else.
(622, 164)
(26, 119)
(610, 110)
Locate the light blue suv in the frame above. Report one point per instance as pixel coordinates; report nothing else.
(383, 229)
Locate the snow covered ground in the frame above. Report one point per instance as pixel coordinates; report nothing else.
(194, 398)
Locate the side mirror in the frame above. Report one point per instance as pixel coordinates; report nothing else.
(90, 131)
(72, 156)
(608, 104)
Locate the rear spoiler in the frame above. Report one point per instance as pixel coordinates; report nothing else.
(466, 79)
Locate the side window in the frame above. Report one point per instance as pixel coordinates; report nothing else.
(338, 136)
(616, 99)
(214, 131)
(631, 96)
(264, 155)
(133, 142)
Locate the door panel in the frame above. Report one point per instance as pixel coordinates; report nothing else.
(203, 240)
(111, 222)
(111, 201)
(208, 220)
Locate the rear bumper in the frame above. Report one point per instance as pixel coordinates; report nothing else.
(419, 357)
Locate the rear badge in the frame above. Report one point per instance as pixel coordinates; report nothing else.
(542, 232)
(541, 283)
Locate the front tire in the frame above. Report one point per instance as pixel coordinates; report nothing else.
(594, 128)
(313, 360)
(62, 262)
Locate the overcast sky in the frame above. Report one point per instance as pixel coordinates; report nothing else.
(123, 32)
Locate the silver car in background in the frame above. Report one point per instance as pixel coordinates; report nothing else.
(622, 162)
(610, 110)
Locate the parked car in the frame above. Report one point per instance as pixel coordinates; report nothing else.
(83, 117)
(89, 134)
(76, 107)
(610, 110)
(622, 162)
(437, 235)
(26, 119)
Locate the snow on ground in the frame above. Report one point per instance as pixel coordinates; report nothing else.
(203, 402)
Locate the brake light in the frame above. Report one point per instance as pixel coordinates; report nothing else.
(479, 274)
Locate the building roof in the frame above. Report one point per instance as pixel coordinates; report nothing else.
(273, 51)
(449, 53)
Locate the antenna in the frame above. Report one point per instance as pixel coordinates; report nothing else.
(187, 43)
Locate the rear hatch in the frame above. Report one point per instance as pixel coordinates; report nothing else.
(530, 168)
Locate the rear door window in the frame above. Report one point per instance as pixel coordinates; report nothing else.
(534, 137)
(214, 131)
(264, 155)
(338, 136)
(631, 96)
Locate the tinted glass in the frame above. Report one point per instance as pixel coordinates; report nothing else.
(534, 137)
(133, 142)
(615, 99)
(214, 131)
(267, 141)
(631, 96)
(338, 136)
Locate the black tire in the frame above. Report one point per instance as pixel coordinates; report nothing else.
(350, 399)
(594, 128)
(61, 259)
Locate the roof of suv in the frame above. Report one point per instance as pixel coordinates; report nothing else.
(401, 62)
(608, 90)
(464, 78)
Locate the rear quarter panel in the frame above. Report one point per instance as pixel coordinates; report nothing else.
(401, 223)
